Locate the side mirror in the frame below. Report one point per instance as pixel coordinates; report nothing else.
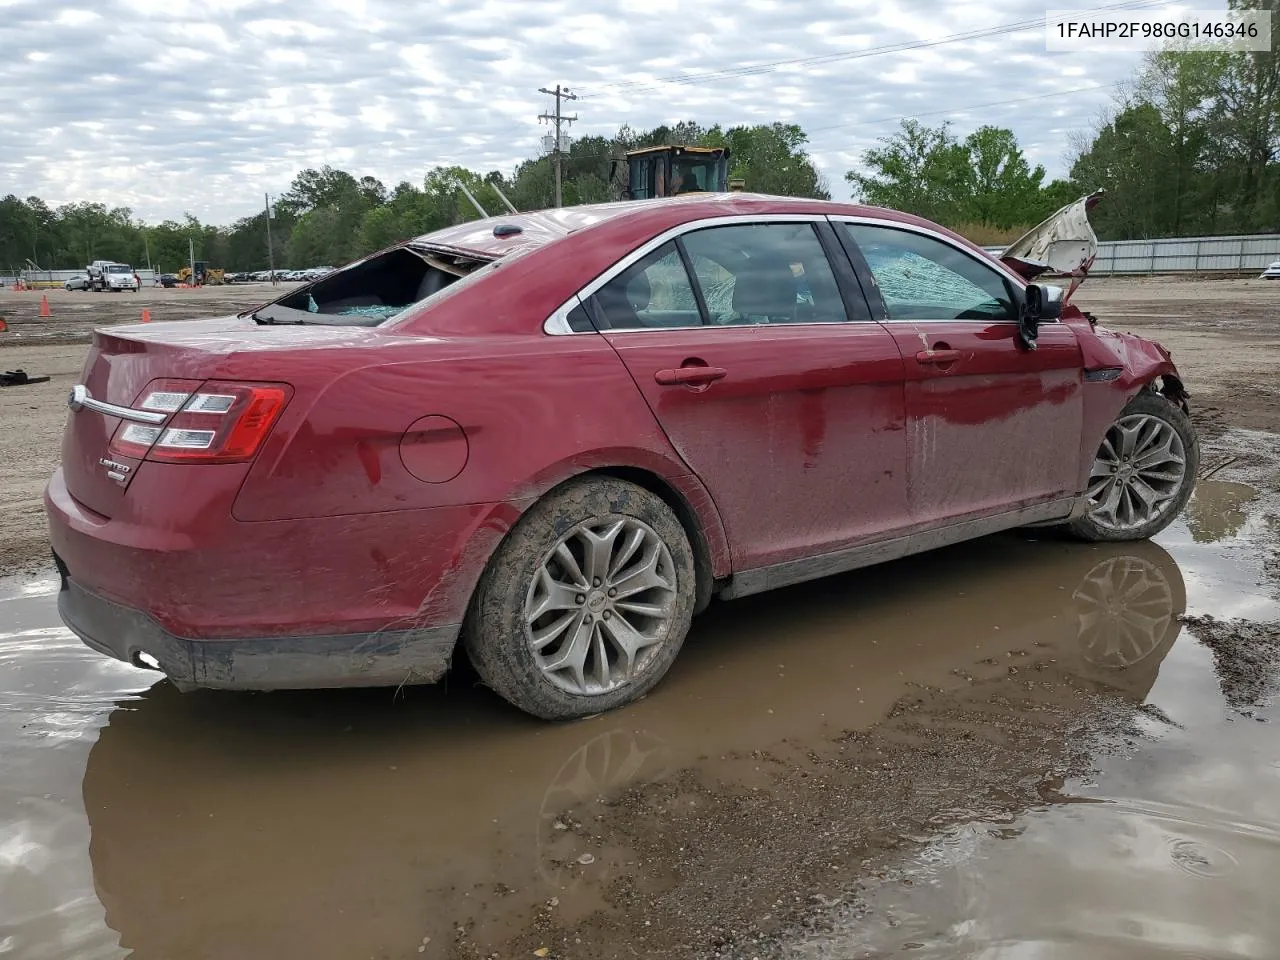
(1038, 302)
(1044, 301)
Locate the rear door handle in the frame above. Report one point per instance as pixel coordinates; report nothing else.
(937, 357)
(689, 375)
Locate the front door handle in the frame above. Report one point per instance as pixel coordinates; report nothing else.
(937, 357)
(690, 375)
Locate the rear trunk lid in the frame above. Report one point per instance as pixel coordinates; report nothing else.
(1064, 244)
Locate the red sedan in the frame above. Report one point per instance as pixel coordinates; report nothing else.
(552, 438)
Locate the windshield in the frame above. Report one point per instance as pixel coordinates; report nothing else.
(687, 175)
(118, 268)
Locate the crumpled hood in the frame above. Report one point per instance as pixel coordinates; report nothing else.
(1063, 244)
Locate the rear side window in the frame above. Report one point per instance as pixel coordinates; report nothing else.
(921, 278)
(652, 293)
(760, 273)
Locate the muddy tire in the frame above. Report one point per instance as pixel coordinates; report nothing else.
(1143, 473)
(586, 603)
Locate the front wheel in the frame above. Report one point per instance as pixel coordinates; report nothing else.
(1143, 473)
(586, 603)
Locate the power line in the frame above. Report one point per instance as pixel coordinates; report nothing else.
(590, 158)
(747, 70)
(966, 109)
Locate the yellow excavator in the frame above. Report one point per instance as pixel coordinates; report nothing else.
(673, 169)
(204, 275)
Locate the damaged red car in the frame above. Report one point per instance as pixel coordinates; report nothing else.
(546, 441)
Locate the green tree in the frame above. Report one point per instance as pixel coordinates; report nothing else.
(1131, 158)
(998, 186)
(19, 232)
(1244, 123)
(771, 158)
(1182, 87)
(314, 238)
(916, 170)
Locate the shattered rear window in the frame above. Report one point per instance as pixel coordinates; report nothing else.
(372, 291)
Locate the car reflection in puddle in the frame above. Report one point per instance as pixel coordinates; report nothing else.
(338, 824)
(1176, 850)
(331, 824)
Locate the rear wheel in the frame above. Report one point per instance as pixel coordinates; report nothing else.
(586, 603)
(1143, 473)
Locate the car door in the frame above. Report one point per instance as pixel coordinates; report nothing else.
(759, 359)
(991, 425)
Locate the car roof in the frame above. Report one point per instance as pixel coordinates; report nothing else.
(678, 148)
(484, 239)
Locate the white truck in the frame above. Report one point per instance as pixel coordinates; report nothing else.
(109, 275)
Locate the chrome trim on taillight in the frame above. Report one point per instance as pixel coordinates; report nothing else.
(79, 399)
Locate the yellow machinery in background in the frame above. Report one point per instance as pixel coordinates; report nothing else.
(670, 170)
(204, 275)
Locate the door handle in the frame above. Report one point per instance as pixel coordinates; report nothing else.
(692, 375)
(937, 357)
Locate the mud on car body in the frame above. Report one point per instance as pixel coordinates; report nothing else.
(550, 439)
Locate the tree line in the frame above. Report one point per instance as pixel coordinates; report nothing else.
(1191, 147)
(330, 217)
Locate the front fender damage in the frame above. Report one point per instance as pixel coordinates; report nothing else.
(1129, 363)
(1117, 367)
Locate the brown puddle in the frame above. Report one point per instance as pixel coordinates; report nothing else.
(869, 741)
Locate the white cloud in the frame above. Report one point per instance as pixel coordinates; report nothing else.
(167, 106)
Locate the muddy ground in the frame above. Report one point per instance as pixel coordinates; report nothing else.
(1015, 747)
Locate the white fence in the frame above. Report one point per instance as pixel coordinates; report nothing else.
(1248, 254)
(56, 278)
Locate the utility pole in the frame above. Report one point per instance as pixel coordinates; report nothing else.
(557, 119)
(271, 254)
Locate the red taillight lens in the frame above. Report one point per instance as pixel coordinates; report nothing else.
(212, 422)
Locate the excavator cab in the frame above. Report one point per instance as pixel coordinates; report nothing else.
(667, 171)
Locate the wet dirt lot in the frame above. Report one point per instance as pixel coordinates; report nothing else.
(1020, 747)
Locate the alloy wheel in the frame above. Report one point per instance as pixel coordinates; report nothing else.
(1137, 473)
(600, 605)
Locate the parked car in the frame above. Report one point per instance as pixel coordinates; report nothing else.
(168, 279)
(550, 439)
(1272, 272)
(77, 283)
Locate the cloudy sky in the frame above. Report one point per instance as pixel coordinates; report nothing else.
(168, 106)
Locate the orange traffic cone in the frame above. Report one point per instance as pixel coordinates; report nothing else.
(44, 306)
(146, 315)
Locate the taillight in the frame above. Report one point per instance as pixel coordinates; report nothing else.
(211, 422)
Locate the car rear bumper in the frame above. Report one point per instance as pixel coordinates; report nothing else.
(366, 600)
(381, 658)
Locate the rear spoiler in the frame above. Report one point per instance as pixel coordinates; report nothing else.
(1063, 244)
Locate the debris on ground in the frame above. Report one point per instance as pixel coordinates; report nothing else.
(19, 378)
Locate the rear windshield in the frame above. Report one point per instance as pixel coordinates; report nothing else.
(376, 290)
